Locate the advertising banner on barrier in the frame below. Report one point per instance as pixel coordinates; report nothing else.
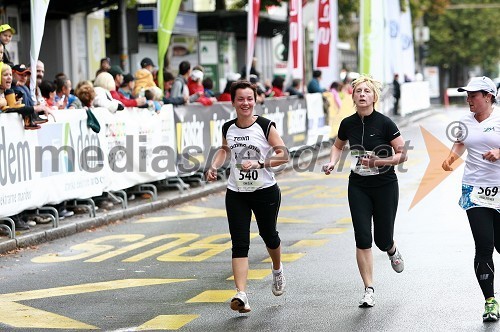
(198, 134)
(317, 122)
(138, 146)
(48, 165)
(66, 160)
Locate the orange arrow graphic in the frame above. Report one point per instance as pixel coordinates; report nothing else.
(434, 174)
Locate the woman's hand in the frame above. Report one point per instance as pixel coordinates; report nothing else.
(369, 160)
(211, 174)
(492, 155)
(447, 164)
(249, 164)
(328, 168)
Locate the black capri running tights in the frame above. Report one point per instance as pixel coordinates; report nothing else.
(381, 203)
(485, 226)
(265, 204)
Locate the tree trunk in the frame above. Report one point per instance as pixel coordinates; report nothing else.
(220, 4)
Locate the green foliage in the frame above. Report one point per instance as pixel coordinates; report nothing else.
(463, 38)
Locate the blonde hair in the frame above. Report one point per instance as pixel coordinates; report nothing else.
(372, 83)
(106, 81)
(4, 67)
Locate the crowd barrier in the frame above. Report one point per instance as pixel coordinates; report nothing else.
(66, 160)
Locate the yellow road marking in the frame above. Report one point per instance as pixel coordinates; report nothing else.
(167, 322)
(21, 316)
(310, 206)
(310, 243)
(287, 257)
(212, 296)
(346, 220)
(256, 274)
(84, 288)
(328, 231)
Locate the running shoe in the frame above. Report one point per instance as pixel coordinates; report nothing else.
(490, 310)
(279, 282)
(240, 302)
(397, 262)
(368, 300)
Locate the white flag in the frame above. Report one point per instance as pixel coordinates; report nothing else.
(38, 12)
(252, 26)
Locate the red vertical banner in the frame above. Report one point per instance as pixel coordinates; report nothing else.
(296, 44)
(324, 33)
(325, 42)
(252, 27)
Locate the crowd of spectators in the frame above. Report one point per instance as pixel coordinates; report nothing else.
(114, 90)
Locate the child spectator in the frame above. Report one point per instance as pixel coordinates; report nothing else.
(154, 96)
(168, 81)
(6, 33)
(48, 91)
(144, 76)
(293, 89)
(208, 85)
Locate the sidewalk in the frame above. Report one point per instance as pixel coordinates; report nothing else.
(166, 198)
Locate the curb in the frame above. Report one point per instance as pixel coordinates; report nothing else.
(306, 155)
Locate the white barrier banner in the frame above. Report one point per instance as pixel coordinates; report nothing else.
(317, 124)
(66, 160)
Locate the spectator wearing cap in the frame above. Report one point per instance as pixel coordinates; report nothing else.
(117, 73)
(196, 88)
(168, 81)
(103, 85)
(6, 33)
(20, 76)
(144, 77)
(104, 66)
(124, 93)
(9, 103)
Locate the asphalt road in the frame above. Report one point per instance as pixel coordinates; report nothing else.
(170, 270)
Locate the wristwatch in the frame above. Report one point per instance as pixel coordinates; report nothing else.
(261, 164)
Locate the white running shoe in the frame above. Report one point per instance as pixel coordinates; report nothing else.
(279, 282)
(397, 262)
(240, 302)
(368, 300)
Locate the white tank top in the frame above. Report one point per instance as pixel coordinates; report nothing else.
(249, 143)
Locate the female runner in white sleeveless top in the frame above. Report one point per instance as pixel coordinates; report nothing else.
(253, 146)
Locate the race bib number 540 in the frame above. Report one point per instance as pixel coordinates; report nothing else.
(486, 196)
(250, 180)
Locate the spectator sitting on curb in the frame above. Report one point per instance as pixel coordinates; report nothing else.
(103, 85)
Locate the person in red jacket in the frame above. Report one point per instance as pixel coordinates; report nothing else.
(124, 92)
